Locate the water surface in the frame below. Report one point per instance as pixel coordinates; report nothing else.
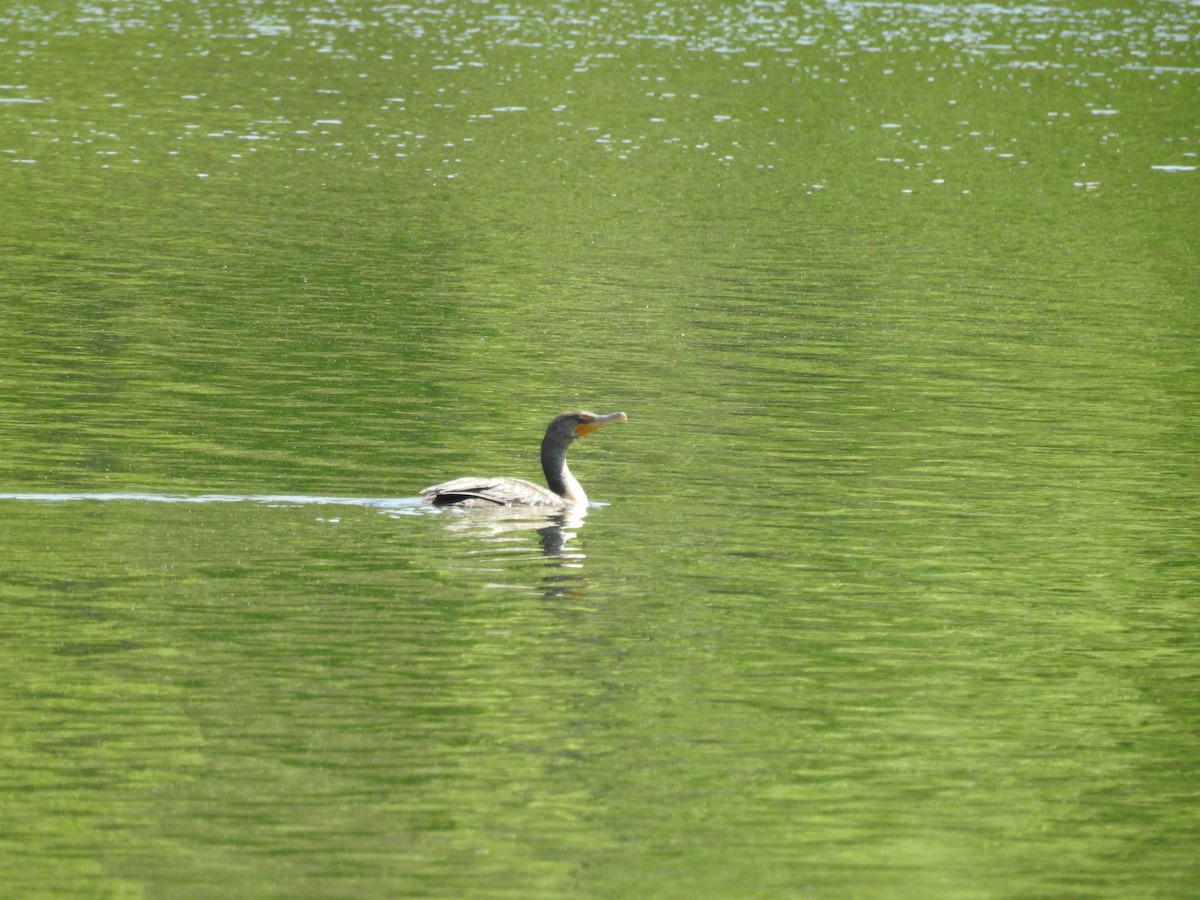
(890, 585)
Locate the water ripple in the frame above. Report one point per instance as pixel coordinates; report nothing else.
(404, 503)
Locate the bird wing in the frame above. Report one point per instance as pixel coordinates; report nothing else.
(500, 491)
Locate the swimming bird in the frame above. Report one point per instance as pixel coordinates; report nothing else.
(564, 493)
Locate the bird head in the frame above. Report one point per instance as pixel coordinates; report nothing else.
(572, 425)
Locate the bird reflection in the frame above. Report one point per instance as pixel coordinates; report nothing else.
(504, 538)
(504, 528)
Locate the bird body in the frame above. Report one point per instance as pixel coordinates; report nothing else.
(483, 492)
(564, 491)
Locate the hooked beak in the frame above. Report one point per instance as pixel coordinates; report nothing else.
(598, 422)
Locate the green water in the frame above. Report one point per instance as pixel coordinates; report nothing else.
(891, 585)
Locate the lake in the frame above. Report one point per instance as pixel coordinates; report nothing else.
(889, 584)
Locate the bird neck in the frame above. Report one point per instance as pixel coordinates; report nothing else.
(559, 477)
